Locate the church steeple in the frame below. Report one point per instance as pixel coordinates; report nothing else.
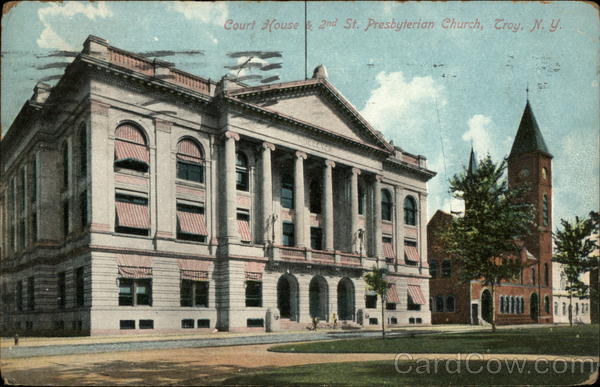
(472, 163)
(528, 138)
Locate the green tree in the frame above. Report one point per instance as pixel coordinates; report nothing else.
(574, 245)
(375, 280)
(485, 243)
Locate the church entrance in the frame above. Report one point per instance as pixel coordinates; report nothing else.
(486, 306)
(318, 298)
(345, 299)
(534, 306)
(287, 297)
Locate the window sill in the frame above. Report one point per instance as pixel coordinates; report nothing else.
(189, 183)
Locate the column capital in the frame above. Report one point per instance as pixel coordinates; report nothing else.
(356, 171)
(267, 145)
(300, 154)
(229, 134)
(378, 178)
(330, 163)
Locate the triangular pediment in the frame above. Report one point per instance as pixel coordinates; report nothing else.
(316, 104)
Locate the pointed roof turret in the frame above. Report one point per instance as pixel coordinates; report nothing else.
(472, 163)
(528, 138)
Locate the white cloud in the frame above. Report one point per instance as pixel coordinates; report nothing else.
(479, 134)
(206, 12)
(405, 109)
(49, 38)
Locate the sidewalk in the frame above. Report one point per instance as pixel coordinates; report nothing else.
(7, 342)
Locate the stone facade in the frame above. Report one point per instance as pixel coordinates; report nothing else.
(136, 197)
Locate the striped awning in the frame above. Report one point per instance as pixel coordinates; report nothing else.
(191, 223)
(194, 275)
(244, 229)
(134, 266)
(416, 295)
(193, 269)
(392, 294)
(132, 215)
(388, 250)
(187, 150)
(127, 150)
(254, 271)
(411, 253)
(130, 133)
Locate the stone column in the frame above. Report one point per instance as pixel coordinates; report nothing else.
(231, 230)
(354, 209)
(267, 191)
(299, 212)
(328, 203)
(377, 218)
(399, 224)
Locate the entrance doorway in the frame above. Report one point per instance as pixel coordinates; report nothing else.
(318, 298)
(287, 297)
(345, 299)
(486, 306)
(534, 307)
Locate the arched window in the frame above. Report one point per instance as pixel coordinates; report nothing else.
(450, 304)
(287, 191)
(433, 268)
(522, 304)
(545, 210)
(190, 162)
(65, 162)
(410, 211)
(502, 306)
(446, 268)
(547, 304)
(386, 205)
(131, 151)
(362, 200)
(564, 308)
(82, 151)
(315, 194)
(241, 172)
(512, 304)
(439, 303)
(546, 276)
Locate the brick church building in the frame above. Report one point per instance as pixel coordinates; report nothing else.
(527, 299)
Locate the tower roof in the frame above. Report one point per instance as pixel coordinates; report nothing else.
(528, 138)
(472, 163)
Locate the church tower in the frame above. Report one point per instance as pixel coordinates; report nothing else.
(530, 162)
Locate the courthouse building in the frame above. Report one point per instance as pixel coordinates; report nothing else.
(527, 299)
(138, 197)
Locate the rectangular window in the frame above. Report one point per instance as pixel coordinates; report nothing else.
(243, 219)
(132, 215)
(79, 287)
(22, 185)
(253, 293)
(189, 171)
(388, 248)
(65, 220)
(203, 323)
(30, 293)
(65, 166)
(371, 301)
(34, 225)
(390, 306)
(61, 290)
(146, 324)
(373, 321)
(316, 238)
(83, 209)
(187, 323)
(19, 296)
(191, 225)
(411, 254)
(255, 323)
(412, 306)
(22, 233)
(194, 293)
(33, 181)
(135, 292)
(288, 234)
(127, 324)
(287, 191)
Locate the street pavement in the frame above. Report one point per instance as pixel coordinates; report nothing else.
(8, 352)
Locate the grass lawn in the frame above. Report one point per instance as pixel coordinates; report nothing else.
(386, 373)
(577, 340)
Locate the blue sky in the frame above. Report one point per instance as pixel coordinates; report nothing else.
(425, 89)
